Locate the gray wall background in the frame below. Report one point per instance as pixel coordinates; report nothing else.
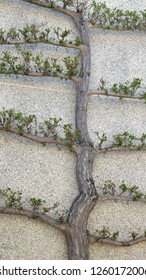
(50, 173)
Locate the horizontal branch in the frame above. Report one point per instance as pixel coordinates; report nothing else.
(113, 94)
(119, 149)
(43, 140)
(120, 198)
(35, 215)
(32, 74)
(37, 41)
(109, 241)
(118, 28)
(52, 6)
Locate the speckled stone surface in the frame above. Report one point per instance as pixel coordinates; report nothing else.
(50, 173)
(22, 238)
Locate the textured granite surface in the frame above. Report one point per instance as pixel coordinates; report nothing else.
(49, 173)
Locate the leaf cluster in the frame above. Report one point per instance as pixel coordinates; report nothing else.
(128, 140)
(38, 204)
(76, 5)
(127, 89)
(105, 17)
(133, 235)
(9, 119)
(38, 33)
(125, 140)
(13, 199)
(110, 188)
(26, 63)
(102, 138)
(72, 137)
(105, 233)
(72, 65)
(49, 127)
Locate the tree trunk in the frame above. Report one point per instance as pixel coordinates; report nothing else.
(77, 240)
(82, 100)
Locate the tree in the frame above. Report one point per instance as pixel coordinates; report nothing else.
(52, 131)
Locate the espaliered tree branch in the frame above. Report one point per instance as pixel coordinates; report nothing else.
(37, 41)
(36, 66)
(110, 191)
(116, 28)
(112, 94)
(123, 192)
(107, 240)
(104, 236)
(120, 142)
(52, 5)
(115, 19)
(37, 75)
(99, 15)
(122, 91)
(34, 208)
(44, 133)
(119, 149)
(68, 7)
(33, 34)
(35, 215)
(118, 198)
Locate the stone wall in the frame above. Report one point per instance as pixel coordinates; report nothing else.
(50, 173)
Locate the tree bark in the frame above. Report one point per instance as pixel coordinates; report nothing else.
(77, 240)
(82, 98)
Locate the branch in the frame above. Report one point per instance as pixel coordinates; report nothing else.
(112, 94)
(43, 140)
(100, 26)
(119, 149)
(52, 6)
(119, 198)
(32, 74)
(109, 241)
(37, 41)
(35, 215)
